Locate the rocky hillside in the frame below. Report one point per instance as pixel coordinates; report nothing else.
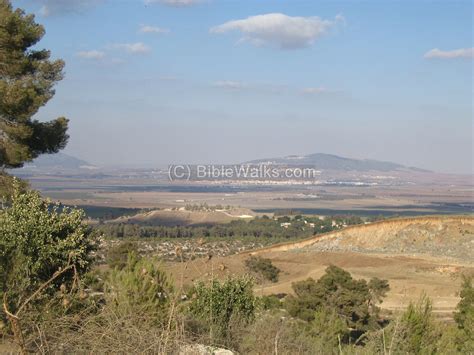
(447, 237)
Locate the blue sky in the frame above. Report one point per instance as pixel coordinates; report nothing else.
(165, 81)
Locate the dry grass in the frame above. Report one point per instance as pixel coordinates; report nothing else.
(102, 333)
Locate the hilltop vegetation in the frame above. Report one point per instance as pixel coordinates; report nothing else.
(259, 227)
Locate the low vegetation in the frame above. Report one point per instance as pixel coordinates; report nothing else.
(223, 309)
(37, 240)
(117, 255)
(262, 267)
(56, 301)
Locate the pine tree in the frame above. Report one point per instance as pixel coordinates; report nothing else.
(27, 79)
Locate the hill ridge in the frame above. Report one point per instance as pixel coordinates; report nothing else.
(334, 240)
(335, 162)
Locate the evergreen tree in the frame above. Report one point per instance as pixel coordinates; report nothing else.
(27, 79)
(464, 316)
(354, 301)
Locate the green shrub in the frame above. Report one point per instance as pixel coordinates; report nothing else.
(452, 340)
(139, 288)
(223, 307)
(7, 187)
(276, 334)
(352, 300)
(328, 327)
(36, 240)
(263, 267)
(464, 315)
(417, 327)
(270, 302)
(117, 255)
(413, 332)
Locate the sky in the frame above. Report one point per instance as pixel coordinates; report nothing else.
(155, 82)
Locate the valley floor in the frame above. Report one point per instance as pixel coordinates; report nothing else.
(383, 250)
(409, 277)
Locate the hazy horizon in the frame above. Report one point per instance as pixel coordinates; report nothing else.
(148, 83)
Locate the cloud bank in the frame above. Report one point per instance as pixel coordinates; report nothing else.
(93, 54)
(456, 53)
(279, 30)
(132, 48)
(229, 84)
(59, 7)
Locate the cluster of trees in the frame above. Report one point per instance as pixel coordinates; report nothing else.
(262, 267)
(260, 227)
(353, 302)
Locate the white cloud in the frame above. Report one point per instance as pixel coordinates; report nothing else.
(271, 88)
(279, 30)
(153, 29)
(58, 7)
(133, 48)
(229, 84)
(174, 3)
(456, 53)
(94, 54)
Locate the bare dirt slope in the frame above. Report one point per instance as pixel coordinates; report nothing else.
(417, 255)
(445, 237)
(183, 217)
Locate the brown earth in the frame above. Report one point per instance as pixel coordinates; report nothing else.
(173, 217)
(417, 255)
(445, 236)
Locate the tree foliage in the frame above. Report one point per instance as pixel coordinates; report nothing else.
(27, 79)
(263, 267)
(337, 291)
(7, 187)
(464, 316)
(224, 305)
(140, 287)
(417, 327)
(36, 240)
(415, 331)
(259, 227)
(328, 328)
(117, 256)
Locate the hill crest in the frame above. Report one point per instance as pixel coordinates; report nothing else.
(334, 162)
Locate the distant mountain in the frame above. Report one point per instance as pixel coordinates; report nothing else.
(58, 161)
(333, 162)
